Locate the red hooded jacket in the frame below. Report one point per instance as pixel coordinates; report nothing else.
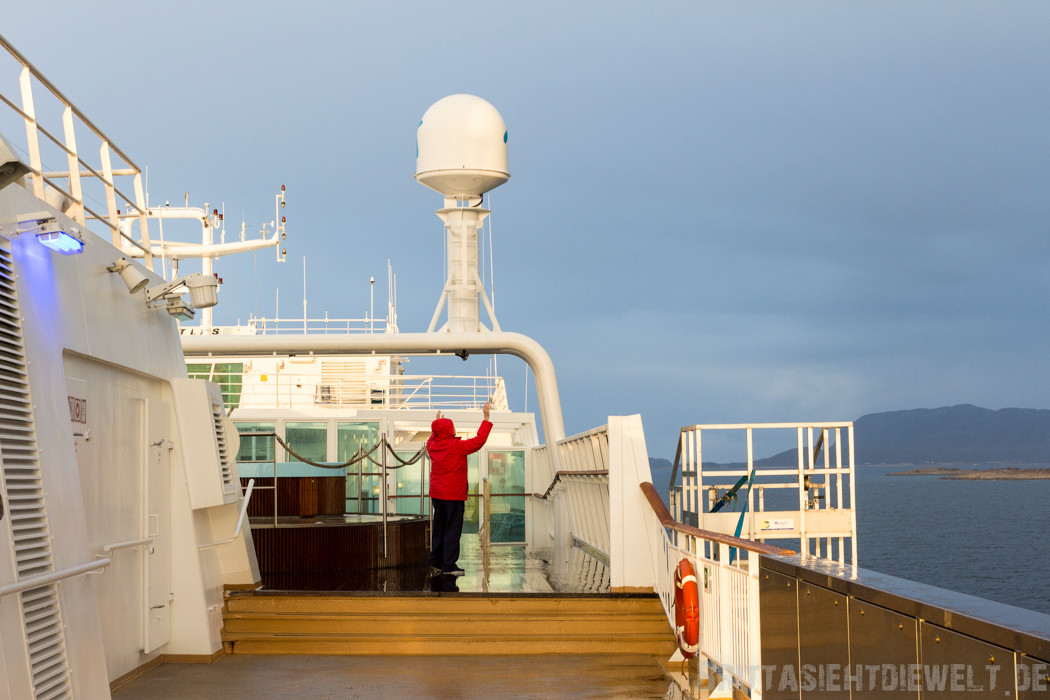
(448, 459)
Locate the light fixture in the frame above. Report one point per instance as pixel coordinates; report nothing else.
(11, 166)
(203, 290)
(47, 230)
(134, 279)
(178, 308)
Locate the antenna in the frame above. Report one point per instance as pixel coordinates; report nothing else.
(461, 147)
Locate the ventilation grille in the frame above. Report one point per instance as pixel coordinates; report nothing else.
(218, 419)
(25, 498)
(343, 383)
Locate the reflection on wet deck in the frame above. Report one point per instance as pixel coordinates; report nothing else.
(490, 569)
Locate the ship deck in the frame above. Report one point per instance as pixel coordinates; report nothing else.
(497, 569)
(459, 677)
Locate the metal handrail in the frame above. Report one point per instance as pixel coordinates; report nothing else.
(62, 98)
(125, 545)
(54, 576)
(76, 161)
(664, 516)
(559, 475)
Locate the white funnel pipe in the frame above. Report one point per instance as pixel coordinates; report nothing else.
(404, 344)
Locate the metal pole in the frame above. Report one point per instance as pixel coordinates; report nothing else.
(360, 451)
(382, 487)
(275, 478)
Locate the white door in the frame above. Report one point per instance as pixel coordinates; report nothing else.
(157, 562)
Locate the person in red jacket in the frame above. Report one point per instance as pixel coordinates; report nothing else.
(448, 487)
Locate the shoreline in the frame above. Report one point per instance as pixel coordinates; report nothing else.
(991, 474)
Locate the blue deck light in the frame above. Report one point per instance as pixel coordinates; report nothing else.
(62, 242)
(51, 234)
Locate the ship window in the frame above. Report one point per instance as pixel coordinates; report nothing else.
(506, 469)
(228, 375)
(470, 508)
(255, 449)
(308, 439)
(360, 492)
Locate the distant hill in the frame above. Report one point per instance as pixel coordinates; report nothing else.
(661, 471)
(956, 435)
(963, 434)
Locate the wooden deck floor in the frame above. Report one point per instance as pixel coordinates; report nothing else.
(437, 677)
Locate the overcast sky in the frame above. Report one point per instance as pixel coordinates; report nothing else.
(717, 212)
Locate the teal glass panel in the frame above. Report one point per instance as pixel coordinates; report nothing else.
(470, 508)
(408, 487)
(255, 449)
(308, 439)
(228, 375)
(362, 493)
(507, 513)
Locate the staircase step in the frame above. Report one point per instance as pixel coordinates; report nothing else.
(438, 645)
(445, 625)
(410, 624)
(455, 605)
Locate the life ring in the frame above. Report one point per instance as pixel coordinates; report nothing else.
(686, 609)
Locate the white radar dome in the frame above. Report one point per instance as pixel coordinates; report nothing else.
(461, 147)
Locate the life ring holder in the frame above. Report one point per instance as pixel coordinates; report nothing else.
(686, 609)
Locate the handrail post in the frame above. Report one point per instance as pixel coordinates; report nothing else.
(32, 136)
(275, 479)
(754, 628)
(382, 487)
(725, 609)
(360, 452)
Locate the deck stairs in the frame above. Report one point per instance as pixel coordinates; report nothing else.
(459, 624)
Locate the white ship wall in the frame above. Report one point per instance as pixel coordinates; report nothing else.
(88, 341)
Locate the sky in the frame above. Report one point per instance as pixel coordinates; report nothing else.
(717, 212)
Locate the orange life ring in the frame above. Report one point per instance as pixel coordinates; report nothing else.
(686, 609)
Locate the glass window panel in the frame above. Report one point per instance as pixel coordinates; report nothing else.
(199, 371)
(470, 508)
(228, 375)
(360, 495)
(507, 475)
(255, 449)
(408, 484)
(308, 439)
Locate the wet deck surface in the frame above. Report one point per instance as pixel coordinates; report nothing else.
(510, 569)
(492, 569)
(438, 677)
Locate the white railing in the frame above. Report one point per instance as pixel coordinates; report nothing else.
(727, 580)
(582, 483)
(319, 326)
(86, 190)
(809, 499)
(53, 577)
(289, 388)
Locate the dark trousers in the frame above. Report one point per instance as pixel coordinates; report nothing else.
(448, 528)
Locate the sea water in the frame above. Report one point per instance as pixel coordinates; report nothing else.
(985, 538)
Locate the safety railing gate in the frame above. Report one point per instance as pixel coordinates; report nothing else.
(803, 498)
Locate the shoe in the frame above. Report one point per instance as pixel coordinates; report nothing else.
(454, 571)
